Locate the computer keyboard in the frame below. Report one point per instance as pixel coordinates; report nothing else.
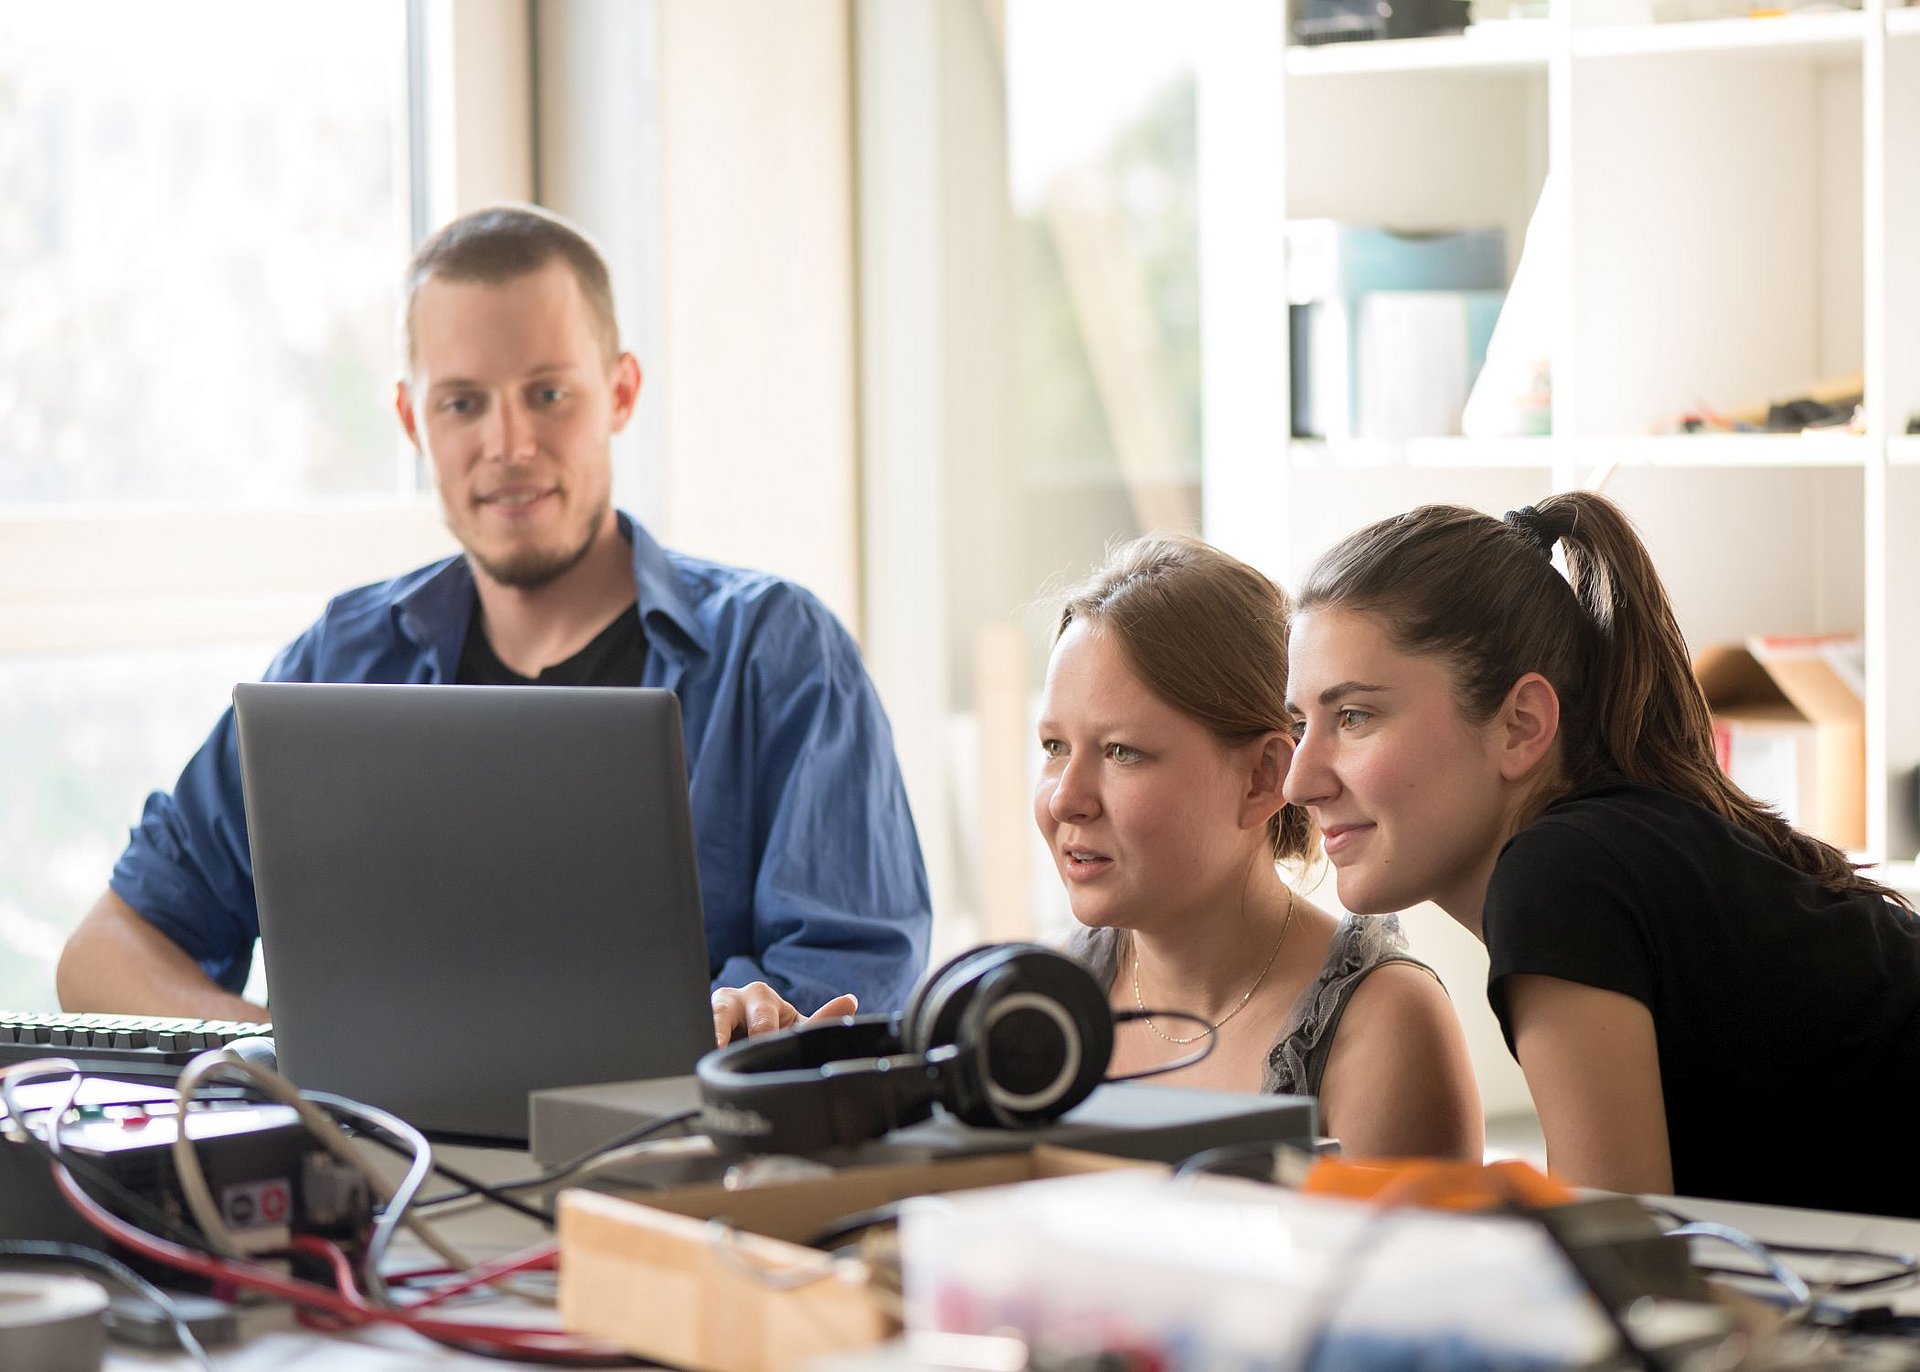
(135, 1047)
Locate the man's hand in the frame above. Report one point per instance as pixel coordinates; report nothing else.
(758, 1009)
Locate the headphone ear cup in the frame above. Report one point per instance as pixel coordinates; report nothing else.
(1044, 1038)
(925, 1005)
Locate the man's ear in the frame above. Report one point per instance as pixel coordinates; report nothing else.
(403, 406)
(1527, 726)
(626, 389)
(1269, 757)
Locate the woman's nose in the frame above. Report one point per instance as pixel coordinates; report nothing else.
(1309, 780)
(1074, 798)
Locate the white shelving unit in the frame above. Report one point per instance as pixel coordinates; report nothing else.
(1740, 194)
(1840, 35)
(1743, 196)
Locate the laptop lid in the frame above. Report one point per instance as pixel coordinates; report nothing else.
(468, 893)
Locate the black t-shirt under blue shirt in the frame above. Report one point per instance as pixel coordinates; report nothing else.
(616, 657)
(1788, 1015)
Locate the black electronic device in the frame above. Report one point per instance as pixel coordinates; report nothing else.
(1345, 21)
(268, 1177)
(126, 1047)
(1011, 1035)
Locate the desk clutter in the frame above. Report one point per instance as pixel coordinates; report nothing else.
(1213, 1233)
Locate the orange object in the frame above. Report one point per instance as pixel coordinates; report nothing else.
(1437, 1185)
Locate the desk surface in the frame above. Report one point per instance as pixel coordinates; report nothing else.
(273, 1340)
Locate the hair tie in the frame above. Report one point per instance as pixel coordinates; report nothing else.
(1531, 525)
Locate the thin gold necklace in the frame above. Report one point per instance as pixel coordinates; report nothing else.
(1147, 1019)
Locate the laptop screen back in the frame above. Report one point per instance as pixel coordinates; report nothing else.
(468, 893)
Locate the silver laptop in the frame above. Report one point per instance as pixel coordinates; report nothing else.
(468, 893)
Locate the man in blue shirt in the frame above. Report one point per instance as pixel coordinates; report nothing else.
(810, 868)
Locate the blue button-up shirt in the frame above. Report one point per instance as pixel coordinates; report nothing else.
(810, 870)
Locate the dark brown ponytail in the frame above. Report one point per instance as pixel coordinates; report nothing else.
(1483, 594)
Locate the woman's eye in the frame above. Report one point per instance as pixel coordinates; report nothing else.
(1053, 747)
(1120, 752)
(1352, 719)
(550, 395)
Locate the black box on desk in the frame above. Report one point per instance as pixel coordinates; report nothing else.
(1130, 1120)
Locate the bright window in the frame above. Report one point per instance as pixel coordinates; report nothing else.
(203, 215)
(199, 217)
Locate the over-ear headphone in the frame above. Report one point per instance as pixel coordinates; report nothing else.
(1009, 1034)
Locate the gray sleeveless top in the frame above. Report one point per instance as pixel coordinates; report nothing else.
(1298, 1058)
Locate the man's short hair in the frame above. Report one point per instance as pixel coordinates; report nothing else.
(503, 243)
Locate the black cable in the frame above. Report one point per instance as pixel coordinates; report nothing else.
(836, 1233)
(469, 1185)
(1210, 1037)
(561, 1171)
(523, 1356)
(98, 1179)
(1578, 1260)
(36, 1250)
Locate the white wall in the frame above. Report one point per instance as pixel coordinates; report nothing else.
(758, 353)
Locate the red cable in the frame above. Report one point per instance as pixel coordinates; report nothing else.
(541, 1259)
(519, 1338)
(350, 1307)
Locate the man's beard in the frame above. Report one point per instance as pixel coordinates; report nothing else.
(532, 568)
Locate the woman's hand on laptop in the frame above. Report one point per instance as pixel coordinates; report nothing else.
(758, 1009)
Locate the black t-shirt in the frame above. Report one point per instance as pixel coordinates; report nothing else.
(616, 657)
(1788, 1015)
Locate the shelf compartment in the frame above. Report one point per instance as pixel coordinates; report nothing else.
(1814, 35)
(1722, 450)
(1904, 451)
(1441, 453)
(1845, 450)
(1514, 45)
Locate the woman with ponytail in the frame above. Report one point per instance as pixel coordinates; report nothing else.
(1704, 1000)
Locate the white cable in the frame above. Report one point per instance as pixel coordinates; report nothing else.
(193, 1182)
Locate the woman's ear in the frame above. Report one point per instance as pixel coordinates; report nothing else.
(1269, 755)
(1527, 726)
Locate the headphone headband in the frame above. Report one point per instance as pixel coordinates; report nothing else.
(1005, 1034)
(817, 1086)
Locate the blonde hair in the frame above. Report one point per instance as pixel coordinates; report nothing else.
(1205, 633)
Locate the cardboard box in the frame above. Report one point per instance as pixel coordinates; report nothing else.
(657, 1277)
(1790, 728)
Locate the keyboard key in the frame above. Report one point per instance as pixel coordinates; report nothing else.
(147, 1048)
